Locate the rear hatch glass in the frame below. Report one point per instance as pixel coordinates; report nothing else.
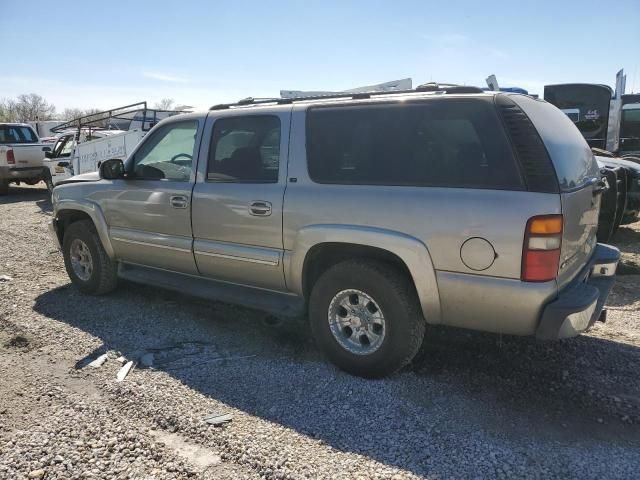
(577, 171)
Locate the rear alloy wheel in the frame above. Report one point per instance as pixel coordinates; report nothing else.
(366, 318)
(356, 322)
(87, 263)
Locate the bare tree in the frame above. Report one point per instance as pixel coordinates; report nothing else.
(31, 106)
(6, 111)
(164, 104)
(71, 113)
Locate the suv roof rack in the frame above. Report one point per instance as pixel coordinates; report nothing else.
(427, 87)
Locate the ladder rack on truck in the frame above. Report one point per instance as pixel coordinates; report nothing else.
(87, 141)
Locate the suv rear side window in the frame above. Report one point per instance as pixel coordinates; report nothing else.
(245, 150)
(440, 143)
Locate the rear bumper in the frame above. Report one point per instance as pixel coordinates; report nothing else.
(20, 173)
(580, 303)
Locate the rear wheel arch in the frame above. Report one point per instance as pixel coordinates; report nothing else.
(323, 256)
(409, 254)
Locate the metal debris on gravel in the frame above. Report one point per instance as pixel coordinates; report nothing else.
(218, 418)
(124, 371)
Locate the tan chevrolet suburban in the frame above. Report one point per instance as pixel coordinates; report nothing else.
(373, 214)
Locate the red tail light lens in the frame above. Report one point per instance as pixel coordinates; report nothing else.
(541, 250)
(11, 159)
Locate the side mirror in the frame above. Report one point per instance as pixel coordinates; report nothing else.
(48, 154)
(46, 149)
(112, 169)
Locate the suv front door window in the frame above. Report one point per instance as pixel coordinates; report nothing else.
(168, 155)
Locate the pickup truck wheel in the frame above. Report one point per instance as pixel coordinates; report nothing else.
(366, 318)
(88, 265)
(4, 186)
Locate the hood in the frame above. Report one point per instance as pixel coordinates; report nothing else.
(85, 177)
(632, 167)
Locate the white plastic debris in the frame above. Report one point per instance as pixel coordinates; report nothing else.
(124, 371)
(98, 362)
(5, 278)
(218, 419)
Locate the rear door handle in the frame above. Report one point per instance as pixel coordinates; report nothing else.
(260, 208)
(179, 201)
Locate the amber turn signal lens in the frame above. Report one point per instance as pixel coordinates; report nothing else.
(546, 225)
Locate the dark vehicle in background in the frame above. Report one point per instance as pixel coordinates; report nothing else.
(630, 126)
(587, 105)
(632, 173)
(610, 122)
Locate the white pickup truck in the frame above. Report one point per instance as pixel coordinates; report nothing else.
(75, 153)
(20, 155)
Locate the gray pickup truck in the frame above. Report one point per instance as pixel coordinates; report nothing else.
(20, 155)
(372, 214)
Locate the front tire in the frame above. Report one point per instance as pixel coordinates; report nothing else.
(48, 181)
(87, 263)
(366, 318)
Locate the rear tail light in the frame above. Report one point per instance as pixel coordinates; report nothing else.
(11, 159)
(541, 250)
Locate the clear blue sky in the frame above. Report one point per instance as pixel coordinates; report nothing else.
(104, 54)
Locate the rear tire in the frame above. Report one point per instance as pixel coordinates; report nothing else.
(87, 263)
(4, 186)
(366, 318)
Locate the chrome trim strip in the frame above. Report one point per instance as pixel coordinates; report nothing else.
(147, 244)
(241, 259)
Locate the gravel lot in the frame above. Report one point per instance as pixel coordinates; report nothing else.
(471, 406)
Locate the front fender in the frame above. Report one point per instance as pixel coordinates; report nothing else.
(410, 250)
(94, 212)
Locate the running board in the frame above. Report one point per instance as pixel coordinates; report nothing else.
(279, 304)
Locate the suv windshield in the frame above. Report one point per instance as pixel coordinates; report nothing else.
(17, 134)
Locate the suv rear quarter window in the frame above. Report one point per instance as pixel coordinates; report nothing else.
(453, 142)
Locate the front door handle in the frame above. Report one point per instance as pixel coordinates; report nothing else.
(260, 208)
(179, 201)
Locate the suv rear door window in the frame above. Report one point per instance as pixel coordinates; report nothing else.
(245, 150)
(438, 142)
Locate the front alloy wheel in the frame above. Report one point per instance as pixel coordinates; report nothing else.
(81, 260)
